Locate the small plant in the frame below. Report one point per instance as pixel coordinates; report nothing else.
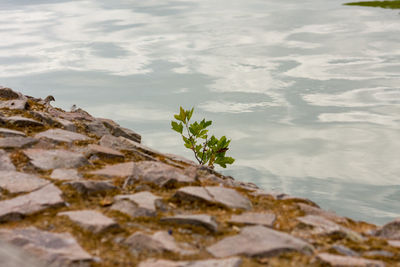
(207, 150)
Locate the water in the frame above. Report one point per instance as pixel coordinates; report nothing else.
(308, 92)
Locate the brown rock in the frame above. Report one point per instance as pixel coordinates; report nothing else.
(310, 210)
(231, 262)
(18, 182)
(117, 130)
(122, 143)
(90, 220)
(256, 241)
(5, 162)
(254, 218)
(4, 132)
(12, 256)
(116, 170)
(17, 104)
(159, 174)
(142, 204)
(17, 142)
(104, 152)
(8, 93)
(54, 159)
(391, 230)
(15, 208)
(56, 249)
(97, 128)
(91, 187)
(226, 197)
(65, 174)
(23, 122)
(202, 220)
(336, 260)
(59, 135)
(394, 243)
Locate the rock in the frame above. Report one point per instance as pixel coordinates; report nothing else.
(17, 142)
(54, 159)
(56, 249)
(116, 170)
(159, 174)
(97, 128)
(142, 204)
(17, 104)
(5, 162)
(202, 220)
(91, 187)
(310, 210)
(394, 243)
(117, 130)
(336, 260)
(378, 253)
(66, 124)
(180, 160)
(59, 135)
(391, 230)
(65, 174)
(104, 152)
(4, 132)
(122, 143)
(23, 122)
(254, 241)
(15, 208)
(231, 262)
(90, 220)
(157, 243)
(323, 226)
(226, 197)
(12, 256)
(8, 93)
(254, 218)
(18, 182)
(345, 250)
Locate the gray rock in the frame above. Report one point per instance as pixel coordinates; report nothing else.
(116, 170)
(12, 256)
(159, 174)
(15, 208)
(55, 159)
(5, 162)
(23, 122)
(66, 124)
(91, 187)
(8, 93)
(378, 253)
(65, 174)
(103, 152)
(56, 249)
(256, 241)
(310, 210)
(180, 160)
(325, 227)
(17, 104)
(230, 262)
(226, 197)
(142, 204)
(391, 230)
(254, 218)
(202, 220)
(4, 132)
(97, 128)
(122, 143)
(59, 135)
(90, 220)
(345, 250)
(341, 261)
(17, 142)
(157, 243)
(18, 182)
(394, 243)
(117, 130)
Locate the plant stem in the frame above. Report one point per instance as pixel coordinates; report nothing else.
(191, 141)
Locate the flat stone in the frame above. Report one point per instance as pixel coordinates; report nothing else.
(90, 220)
(256, 241)
(394, 243)
(157, 243)
(325, 227)
(345, 250)
(5, 162)
(391, 230)
(226, 197)
(15, 208)
(336, 260)
(18, 182)
(55, 159)
(180, 159)
(254, 218)
(103, 152)
(56, 249)
(4, 132)
(8, 93)
(117, 130)
(158, 173)
(91, 187)
(17, 142)
(23, 122)
(60, 135)
(378, 253)
(142, 204)
(310, 210)
(122, 143)
(230, 262)
(116, 170)
(202, 220)
(12, 256)
(65, 174)
(17, 104)
(97, 128)
(66, 124)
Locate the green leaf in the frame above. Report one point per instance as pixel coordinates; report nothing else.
(182, 114)
(189, 116)
(177, 127)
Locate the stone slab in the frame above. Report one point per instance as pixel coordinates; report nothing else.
(122, 143)
(8, 93)
(55, 159)
(342, 261)
(23, 122)
(90, 220)
(103, 152)
(65, 174)
(60, 135)
(230, 262)
(116, 170)
(117, 130)
(12, 256)
(142, 204)
(256, 241)
(4, 132)
(17, 142)
(254, 218)
(391, 230)
(18, 182)
(91, 187)
(310, 210)
(5, 162)
(16, 104)
(202, 220)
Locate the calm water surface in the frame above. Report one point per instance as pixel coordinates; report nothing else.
(309, 92)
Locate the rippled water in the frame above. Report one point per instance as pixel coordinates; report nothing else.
(308, 92)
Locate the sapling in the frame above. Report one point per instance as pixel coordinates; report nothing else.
(207, 149)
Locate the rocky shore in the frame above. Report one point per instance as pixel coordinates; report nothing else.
(83, 191)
